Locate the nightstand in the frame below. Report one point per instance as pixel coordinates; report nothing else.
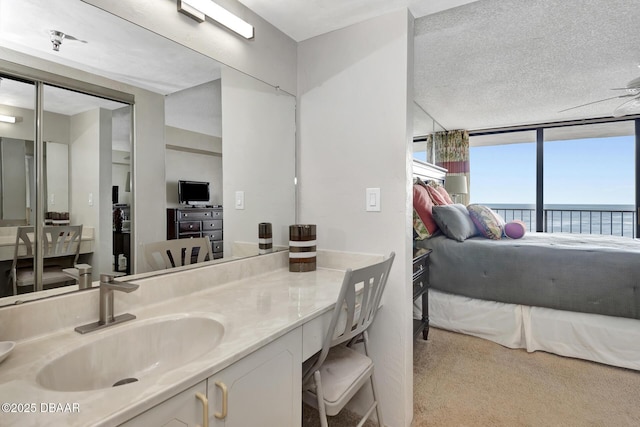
(421, 290)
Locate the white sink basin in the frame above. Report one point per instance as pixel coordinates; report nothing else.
(130, 352)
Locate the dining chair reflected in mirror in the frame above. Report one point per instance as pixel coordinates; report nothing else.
(333, 376)
(177, 252)
(61, 248)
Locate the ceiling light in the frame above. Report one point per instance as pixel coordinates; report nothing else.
(10, 119)
(56, 39)
(198, 9)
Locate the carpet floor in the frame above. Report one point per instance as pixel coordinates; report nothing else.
(460, 380)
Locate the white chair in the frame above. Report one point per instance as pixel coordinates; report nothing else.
(332, 377)
(177, 252)
(61, 247)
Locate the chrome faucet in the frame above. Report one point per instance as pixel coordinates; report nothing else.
(107, 286)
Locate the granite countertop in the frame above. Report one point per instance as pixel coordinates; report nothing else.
(254, 311)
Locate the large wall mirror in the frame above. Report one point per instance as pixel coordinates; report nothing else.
(220, 126)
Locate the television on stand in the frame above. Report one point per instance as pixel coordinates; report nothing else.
(193, 193)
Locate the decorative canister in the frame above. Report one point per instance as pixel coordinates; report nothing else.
(265, 238)
(302, 247)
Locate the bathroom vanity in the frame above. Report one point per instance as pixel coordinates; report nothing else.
(223, 342)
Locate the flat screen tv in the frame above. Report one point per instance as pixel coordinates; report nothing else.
(193, 192)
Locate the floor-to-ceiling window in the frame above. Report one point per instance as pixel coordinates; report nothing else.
(589, 179)
(503, 174)
(580, 178)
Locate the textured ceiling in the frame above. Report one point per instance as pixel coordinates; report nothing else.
(483, 64)
(496, 63)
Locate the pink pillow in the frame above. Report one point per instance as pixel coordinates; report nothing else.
(438, 199)
(515, 229)
(443, 192)
(423, 224)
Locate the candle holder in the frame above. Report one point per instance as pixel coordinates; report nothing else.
(302, 247)
(265, 238)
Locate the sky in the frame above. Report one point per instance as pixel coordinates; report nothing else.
(585, 171)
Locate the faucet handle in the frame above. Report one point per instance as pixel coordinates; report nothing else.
(108, 277)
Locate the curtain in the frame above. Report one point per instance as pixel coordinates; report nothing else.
(451, 151)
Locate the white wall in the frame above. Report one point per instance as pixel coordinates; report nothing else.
(253, 112)
(184, 165)
(90, 191)
(270, 56)
(57, 167)
(14, 178)
(56, 126)
(355, 118)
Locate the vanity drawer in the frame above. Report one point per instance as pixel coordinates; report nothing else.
(214, 224)
(217, 246)
(213, 235)
(189, 226)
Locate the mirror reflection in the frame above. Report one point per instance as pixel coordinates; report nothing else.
(79, 134)
(220, 127)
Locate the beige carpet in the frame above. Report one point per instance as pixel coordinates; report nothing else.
(461, 380)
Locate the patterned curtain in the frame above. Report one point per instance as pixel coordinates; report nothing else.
(451, 151)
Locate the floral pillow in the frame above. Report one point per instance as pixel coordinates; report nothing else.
(489, 223)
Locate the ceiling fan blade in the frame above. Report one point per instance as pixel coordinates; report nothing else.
(630, 107)
(68, 37)
(595, 102)
(634, 84)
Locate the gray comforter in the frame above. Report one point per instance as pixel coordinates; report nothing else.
(584, 273)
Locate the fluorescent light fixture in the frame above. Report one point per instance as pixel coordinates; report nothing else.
(198, 9)
(10, 119)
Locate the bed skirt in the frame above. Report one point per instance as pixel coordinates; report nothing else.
(605, 339)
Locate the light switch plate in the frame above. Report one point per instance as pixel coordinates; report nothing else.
(239, 199)
(373, 200)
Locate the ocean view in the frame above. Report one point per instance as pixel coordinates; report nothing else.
(616, 220)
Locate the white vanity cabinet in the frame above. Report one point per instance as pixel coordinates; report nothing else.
(183, 409)
(262, 389)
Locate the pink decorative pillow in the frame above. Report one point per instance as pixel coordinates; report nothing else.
(515, 229)
(445, 195)
(436, 196)
(488, 222)
(423, 223)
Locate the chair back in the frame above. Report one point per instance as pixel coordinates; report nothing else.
(58, 241)
(176, 253)
(356, 306)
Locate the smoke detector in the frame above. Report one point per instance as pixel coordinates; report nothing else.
(56, 39)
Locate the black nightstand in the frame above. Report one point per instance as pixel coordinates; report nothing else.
(421, 289)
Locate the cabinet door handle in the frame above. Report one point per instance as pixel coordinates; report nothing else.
(225, 396)
(205, 408)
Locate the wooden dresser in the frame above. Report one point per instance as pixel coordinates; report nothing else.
(186, 223)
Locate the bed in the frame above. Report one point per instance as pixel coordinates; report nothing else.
(574, 295)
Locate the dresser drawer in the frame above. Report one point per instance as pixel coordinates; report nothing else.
(189, 226)
(214, 224)
(189, 235)
(217, 246)
(213, 235)
(194, 215)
